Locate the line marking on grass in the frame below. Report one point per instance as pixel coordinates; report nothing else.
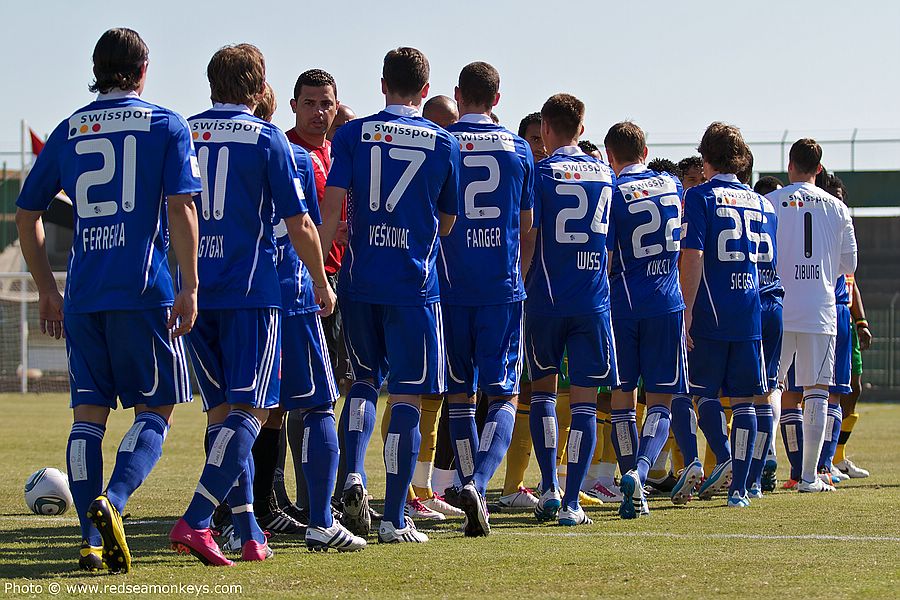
(706, 536)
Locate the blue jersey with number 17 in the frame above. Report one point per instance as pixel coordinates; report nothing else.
(249, 175)
(568, 275)
(645, 234)
(117, 158)
(479, 260)
(722, 218)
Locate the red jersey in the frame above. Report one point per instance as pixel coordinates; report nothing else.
(321, 160)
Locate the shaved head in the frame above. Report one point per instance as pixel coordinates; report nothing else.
(344, 114)
(441, 110)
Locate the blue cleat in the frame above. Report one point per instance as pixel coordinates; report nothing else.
(719, 479)
(548, 506)
(633, 500)
(738, 501)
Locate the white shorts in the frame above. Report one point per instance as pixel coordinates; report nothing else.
(812, 355)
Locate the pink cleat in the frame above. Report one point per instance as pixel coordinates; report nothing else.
(253, 550)
(199, 542)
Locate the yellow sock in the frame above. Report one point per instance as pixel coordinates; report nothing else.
(428, 426)
(846, 429)
(519, 453)
(564, 422)
(609, 451)
(675, 453)
(602, 420)
(641, 410)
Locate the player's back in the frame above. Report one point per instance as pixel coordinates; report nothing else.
(814, 229)
(248, 170)
(297, 293)
(645, 233)
(770, 289)
(401, 170)
(480, 258)
(722, 218)
(572, 192)
(117, 158)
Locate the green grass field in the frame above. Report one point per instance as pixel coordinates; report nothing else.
(840, 545)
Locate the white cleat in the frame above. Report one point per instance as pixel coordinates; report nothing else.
(321, 539)
(388, 534)
(837, 476)
(605, 493)
(547, 508)
(847, 466)
(521, 498)
(574, 516)
(816, 486)
(688, 481)
(416, 509)
(232, 541)
(438, 504)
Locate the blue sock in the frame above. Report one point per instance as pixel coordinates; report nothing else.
(654, 436)
(684, 427)
(765, 425)
(240, 500)
(84, 455)
(227, 459)
(495, 439)
(625, 437)
(580, 449)
(138, 454)
(544, 436)
(714, 426)
(832, 433)
(319, 460)
(792, 434)
(401, 449)
(743, 435)
(464, 436)
(360, 422)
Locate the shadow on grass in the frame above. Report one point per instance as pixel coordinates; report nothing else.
(52, 551)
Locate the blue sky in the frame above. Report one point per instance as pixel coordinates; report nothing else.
(816, 68)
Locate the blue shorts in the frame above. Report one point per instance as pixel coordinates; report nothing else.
(652, 350)
(404, 344)
(237, 356)
(307, 380)
(772, 334)
(588, 340)
(484, 346)
(843, 349)
(733, 369)
(125, 354)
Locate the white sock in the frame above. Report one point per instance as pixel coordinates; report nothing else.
(422, 475)
(607, 477)
(775, 399)
(815, 415)
(441, 479)
(353, 479)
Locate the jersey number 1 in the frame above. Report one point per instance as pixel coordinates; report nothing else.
(88, 179)
(414, 158)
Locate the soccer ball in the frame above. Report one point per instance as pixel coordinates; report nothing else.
(47, 492)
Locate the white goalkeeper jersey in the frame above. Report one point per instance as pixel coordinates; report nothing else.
(816, 245)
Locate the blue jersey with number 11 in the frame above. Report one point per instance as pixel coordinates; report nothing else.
(401, 170)
(116, 158)
(249, 175)
(568, 276)
(722, 217)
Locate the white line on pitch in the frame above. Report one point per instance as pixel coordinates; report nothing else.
(691, 536)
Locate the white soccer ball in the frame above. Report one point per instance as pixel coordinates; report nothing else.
(47, 492)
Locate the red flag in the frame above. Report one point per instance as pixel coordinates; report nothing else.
(37, 144)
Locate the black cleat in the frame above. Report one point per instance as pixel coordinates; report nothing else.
(475, 507)
(451, 497)
(108, 522)
(90, 557)
(357, 517)
(665, 486)
(278, 521)
(769, 481)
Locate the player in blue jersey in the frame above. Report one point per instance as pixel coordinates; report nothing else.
(720, 283)
(771, 294)
(567, 309)
(249, 181)
(647, 307)
(130, 168)
(481, 286)
(402, 173)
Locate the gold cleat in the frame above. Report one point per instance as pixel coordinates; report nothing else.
(108, 522)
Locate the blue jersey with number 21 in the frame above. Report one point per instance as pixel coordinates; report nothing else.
(117, 159)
